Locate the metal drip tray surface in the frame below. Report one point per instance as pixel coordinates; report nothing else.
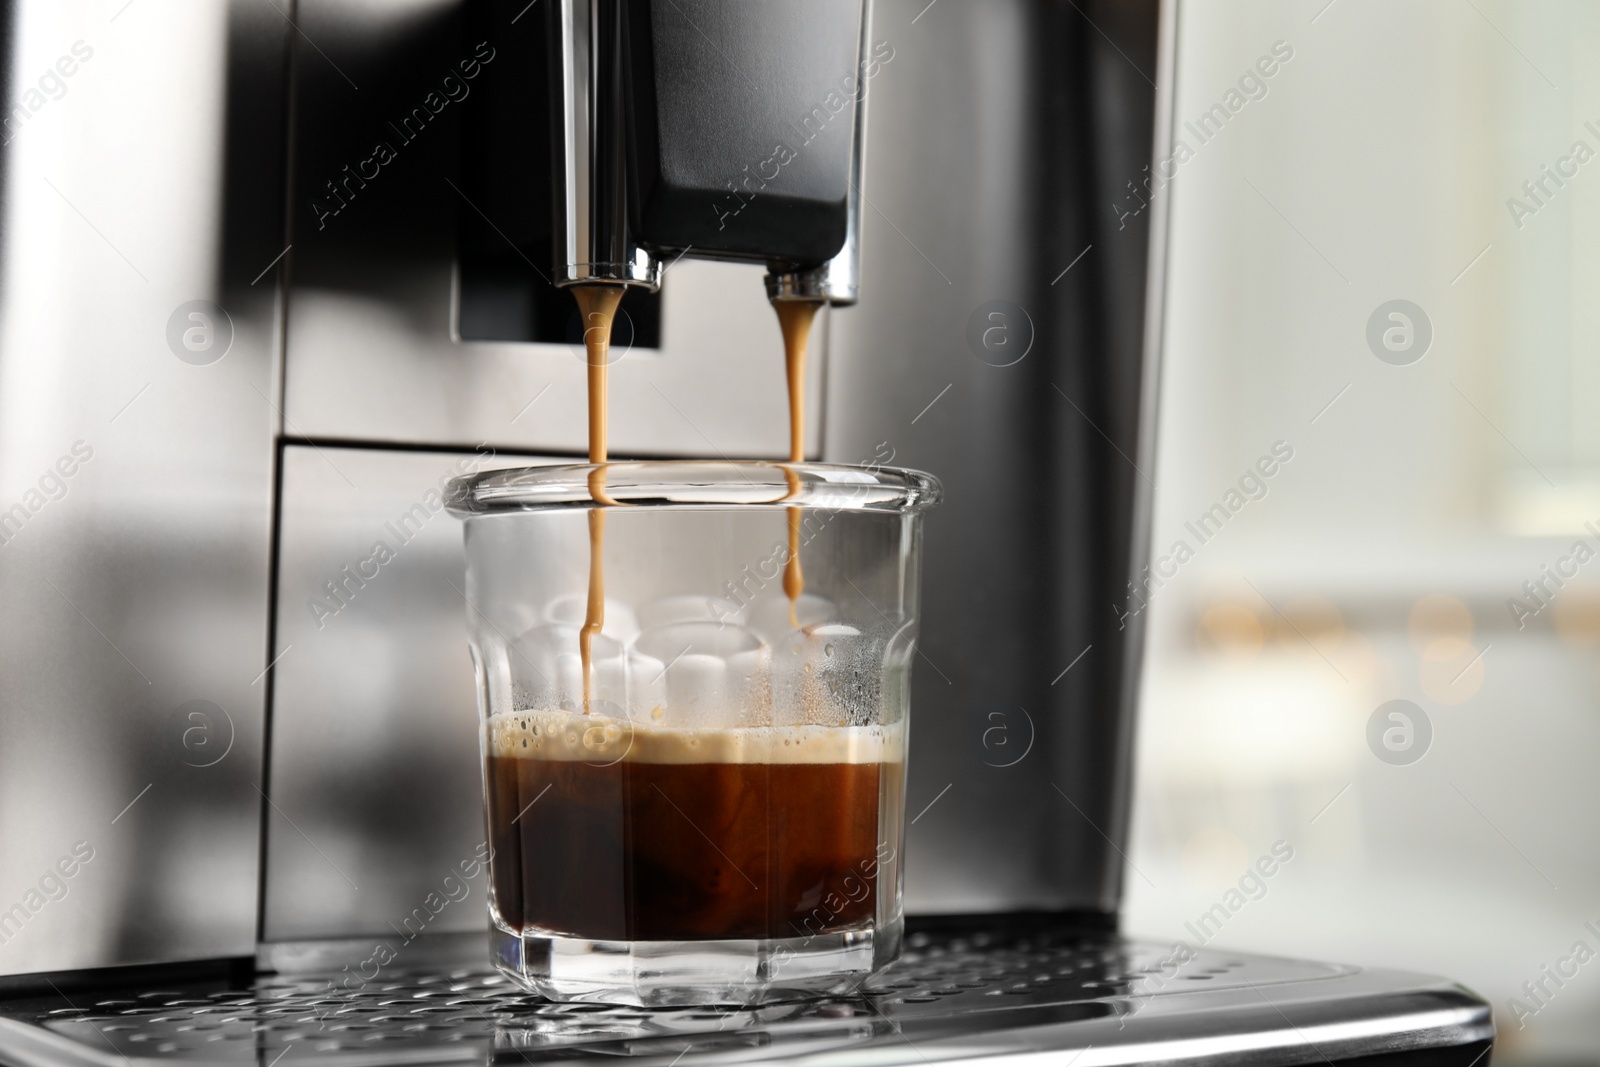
(952, 997)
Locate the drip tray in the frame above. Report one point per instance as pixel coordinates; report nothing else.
(1082, 1000)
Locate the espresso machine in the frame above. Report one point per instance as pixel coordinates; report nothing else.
(276, 270)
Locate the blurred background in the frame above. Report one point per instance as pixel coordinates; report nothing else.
(1432, 473)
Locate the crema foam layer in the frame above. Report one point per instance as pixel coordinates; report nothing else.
(568, 735)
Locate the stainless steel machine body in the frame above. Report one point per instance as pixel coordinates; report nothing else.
(266, 284)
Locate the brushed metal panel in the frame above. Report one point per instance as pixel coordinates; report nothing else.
(1018, 765)
(372, 353)
(138, 583)
(962, 200)
(376, 784)
(386, 368)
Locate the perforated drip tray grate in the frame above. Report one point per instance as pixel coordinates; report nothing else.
(954, 996)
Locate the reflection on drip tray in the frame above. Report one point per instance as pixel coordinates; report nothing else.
(954, 996)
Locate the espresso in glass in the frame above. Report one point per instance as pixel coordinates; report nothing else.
(607, 830)
(694, 772)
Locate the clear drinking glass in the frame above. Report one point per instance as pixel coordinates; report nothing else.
(717, 815)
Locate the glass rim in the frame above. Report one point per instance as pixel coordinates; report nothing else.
(693, 484)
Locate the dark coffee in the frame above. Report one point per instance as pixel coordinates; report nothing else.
(610, 831)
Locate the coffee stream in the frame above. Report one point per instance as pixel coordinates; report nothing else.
(598, 306)
(795, 318)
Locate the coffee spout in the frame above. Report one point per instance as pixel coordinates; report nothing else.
(717, 129)
(594, 238)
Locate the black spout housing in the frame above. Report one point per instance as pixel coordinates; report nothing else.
(743, 114)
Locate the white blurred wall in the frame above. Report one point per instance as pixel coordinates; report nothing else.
(1379, 563)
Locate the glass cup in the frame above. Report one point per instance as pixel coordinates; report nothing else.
(693, 738)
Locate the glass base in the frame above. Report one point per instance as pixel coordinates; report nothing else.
(661, 974)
